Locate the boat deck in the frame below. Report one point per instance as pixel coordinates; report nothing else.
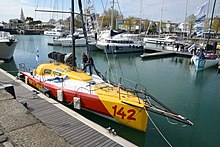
(74, 128)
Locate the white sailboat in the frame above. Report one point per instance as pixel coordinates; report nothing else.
(208, 60)
(111, 42)
(59, 30)
(204, 63)
(80, 41)
(120, 43)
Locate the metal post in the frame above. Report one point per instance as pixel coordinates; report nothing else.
(210, 27)
(112, 17)
(72, 33)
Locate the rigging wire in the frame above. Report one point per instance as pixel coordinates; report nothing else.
(158, 129)
(139, 79)
(116, 71)
(122, 125)
(104, 9)
(119, 8)
(119, 63)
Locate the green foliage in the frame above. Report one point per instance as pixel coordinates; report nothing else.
(191, 22)
(106, 18)
(216, 25)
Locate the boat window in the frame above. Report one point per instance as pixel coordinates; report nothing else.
(60, 70)
(47, 71)
(57, 73)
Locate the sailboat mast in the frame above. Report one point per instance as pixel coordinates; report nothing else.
(140, 17)
(210, 27)
(160, 31)
(112, 17)
(83, 25)
(184, 24)
(72, 33)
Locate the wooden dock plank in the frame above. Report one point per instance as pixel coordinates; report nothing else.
(93, 139)
(60, 119)
(86, 137)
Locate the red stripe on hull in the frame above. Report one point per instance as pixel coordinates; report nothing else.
(88, 101)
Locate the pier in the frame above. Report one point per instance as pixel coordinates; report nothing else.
(46, 122)
(157, 53)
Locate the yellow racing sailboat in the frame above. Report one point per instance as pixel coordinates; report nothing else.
(64, 81)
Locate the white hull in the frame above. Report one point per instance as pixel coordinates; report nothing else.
(204, 63)
(57, 42)
(53, 33)
(7, 48)
(122, 48)
(100, 46)
(158, 40)
(67, 42)
(120, 43)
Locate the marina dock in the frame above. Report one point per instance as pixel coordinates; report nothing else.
(157, 53)
(63, 126)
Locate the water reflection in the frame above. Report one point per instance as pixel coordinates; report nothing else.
(9, 67)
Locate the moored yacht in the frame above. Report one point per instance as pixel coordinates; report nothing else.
(67, 41)
(7, 45)
(163, 40)
(120, 43)
(59, 30)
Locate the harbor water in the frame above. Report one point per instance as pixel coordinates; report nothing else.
(172, 80)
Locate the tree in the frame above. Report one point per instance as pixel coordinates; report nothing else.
(144, 25)
(78, 21)
(128, 23)
(216, 25)
(106, 18)
(190, 22)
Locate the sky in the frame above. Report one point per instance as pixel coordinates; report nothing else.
(173, 10)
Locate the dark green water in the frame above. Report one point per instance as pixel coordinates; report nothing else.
(195, 95)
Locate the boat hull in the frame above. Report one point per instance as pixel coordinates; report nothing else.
(78, 42)
(119, 48)
(201, 64)
(122, 49)
(7, 49)
(105, 104)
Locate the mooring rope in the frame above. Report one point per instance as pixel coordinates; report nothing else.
(158, 129)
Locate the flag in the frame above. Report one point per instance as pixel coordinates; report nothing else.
(192, 47)
(201, 18)
(201, 10)
(37, 55)
(89, 3)
(199, 34)
(199, 25)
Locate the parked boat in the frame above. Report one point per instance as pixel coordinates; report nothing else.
(67, 41)
(59, 30)
(120, 43)
(161, 40)
(79, 41)
(64, 81)
(7, 45)
(203, 63)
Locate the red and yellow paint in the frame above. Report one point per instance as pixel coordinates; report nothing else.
(109, 100)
